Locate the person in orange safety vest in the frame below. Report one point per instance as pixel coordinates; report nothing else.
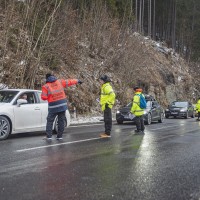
(53, 92)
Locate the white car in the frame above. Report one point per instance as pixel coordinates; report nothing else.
(18, 115)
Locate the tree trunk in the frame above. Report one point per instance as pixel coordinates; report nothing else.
(154, 19)
(140, 18)
(136, 15)
(174, 26)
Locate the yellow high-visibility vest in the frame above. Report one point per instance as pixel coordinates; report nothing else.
(107, 96)
(135, 109)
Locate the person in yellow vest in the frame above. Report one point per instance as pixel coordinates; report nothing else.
(198, 109)
(137, 111)
(107, 100)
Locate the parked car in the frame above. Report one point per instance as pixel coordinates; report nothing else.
(180, 109)
(19, 115)
(153, 112)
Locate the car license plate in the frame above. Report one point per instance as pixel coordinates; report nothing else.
(126, 116)
(174, 113)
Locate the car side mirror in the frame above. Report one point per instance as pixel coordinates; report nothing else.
(21, 101)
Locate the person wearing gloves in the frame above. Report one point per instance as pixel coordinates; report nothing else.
(53, 92)
(107, 100)
(138, 111)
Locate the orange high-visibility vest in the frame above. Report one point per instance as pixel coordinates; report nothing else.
(55, 91)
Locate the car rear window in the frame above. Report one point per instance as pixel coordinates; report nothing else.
(179, 104)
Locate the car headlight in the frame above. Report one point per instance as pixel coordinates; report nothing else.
(145, 112)
(118, 112)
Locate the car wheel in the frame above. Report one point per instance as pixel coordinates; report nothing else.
(5, 128)
(167, 116)
(119, 121)
(55, 131)
(161, 120)
(193, 115)
(149, 119)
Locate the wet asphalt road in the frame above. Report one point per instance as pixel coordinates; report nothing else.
(162, 164)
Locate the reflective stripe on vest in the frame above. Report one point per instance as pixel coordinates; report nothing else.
(138, 110)
(107, 94)
(56, 106)
(55, 91)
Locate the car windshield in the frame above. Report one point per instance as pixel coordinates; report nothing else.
(179, 104)
(129, 105)
(148, 104)
(7, 96)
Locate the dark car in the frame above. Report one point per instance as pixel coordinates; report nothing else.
(180, 109)
(153, 112)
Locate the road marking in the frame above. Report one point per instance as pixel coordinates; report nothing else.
(78, 141)
(86, 125)
(53, 145)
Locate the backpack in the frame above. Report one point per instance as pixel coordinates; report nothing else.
(142, 102)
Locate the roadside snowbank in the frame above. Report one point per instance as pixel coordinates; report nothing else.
(84, 120)
(89, 119)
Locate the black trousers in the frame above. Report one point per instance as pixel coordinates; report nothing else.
(108, 120)
(61, 123)
(139, 120)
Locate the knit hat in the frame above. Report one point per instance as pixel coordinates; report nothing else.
(105, 78)
(48, 75)
(137, 89)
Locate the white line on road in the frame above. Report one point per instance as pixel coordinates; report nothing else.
(53, 145)
(85, 125)
(78, 141)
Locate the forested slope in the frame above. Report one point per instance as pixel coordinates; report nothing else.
(85, 39)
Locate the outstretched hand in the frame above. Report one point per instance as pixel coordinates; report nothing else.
(80, 82)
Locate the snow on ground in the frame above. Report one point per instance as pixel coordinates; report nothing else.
(88, 119)
(84, 120)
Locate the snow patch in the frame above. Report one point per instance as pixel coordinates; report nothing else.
(3, 86)
(84, 120)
